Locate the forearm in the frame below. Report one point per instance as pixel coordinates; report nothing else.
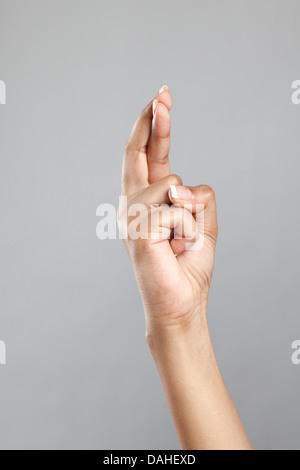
(204, 414)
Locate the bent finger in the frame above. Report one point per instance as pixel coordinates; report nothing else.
(201, 201)
(157, 193)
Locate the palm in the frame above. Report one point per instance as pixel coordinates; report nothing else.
(176, 283)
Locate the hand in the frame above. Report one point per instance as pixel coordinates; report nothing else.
(174, 288)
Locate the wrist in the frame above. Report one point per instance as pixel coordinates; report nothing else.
(182, 358)
(181, 319)
(171, 336)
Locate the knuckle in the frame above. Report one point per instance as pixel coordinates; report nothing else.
(164, 159)
(208, 192)
(175, 180)
(128, 147)
(126, 180)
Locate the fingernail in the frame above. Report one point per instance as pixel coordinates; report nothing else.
(154, 106)
(180, 192)
(163, 88)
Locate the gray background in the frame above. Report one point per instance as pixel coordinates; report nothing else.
(79, 374)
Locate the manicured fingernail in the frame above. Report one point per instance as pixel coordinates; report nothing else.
(154, 106)
(163, 88)
(180, 192)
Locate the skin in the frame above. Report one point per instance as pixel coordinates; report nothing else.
(174, 283)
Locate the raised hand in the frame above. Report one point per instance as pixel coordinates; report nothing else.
(174, 288)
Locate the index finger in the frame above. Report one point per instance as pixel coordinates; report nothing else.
(135, 167)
